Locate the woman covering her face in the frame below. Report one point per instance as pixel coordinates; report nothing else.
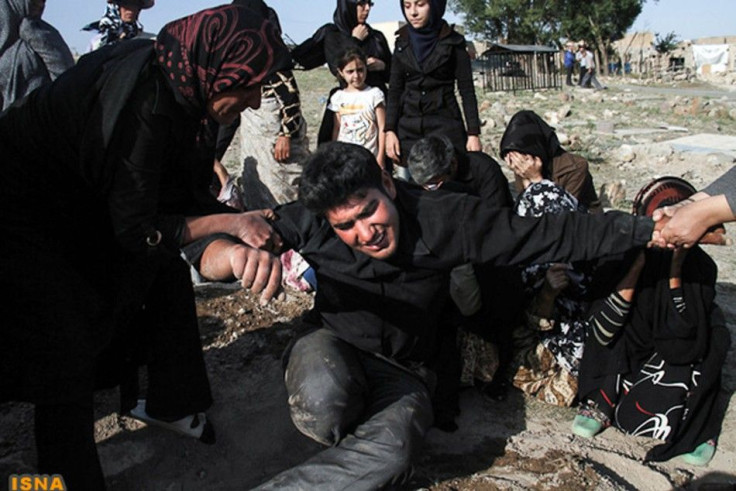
(533, 152)
(430, 58)
(120, 145)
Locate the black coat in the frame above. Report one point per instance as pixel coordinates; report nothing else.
(421, 98)
(393, 307)
(92, 164)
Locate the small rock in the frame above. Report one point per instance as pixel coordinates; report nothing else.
(626, 153)
(565, 97)
(486, 104)
(498, 108)
(564, 111)
(538, 95)
(612, 193)
(551, 118)
(719, 158)
(732, 114)
(563, 138)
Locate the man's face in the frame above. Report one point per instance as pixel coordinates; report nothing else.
(369, 223)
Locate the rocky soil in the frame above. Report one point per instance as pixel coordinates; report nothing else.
(627, 134)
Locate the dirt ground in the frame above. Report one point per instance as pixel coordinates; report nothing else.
(515, 444)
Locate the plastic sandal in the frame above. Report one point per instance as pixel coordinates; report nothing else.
(702, 454)
(195, 425)
(585, 426)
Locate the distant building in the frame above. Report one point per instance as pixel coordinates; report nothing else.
(389, 30)
(714, 54)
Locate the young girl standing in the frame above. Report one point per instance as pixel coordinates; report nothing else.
(360, 114)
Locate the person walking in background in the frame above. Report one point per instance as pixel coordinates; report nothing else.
(360, 113)
(580, 58)
(590, 78)
(32, 52)
(429, 59)
(569, 62)
(120, 22)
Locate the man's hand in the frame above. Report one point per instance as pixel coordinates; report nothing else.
(393, 148)
(282, 149)
(690, 222)
(259, 271)
(252, 227)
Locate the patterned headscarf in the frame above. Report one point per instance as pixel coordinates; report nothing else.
(216, 50)
(112, 28)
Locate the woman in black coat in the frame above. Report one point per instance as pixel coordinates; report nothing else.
(429, 58)
(105, 175)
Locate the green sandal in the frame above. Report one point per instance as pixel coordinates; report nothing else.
(702, 454)
(585, 426)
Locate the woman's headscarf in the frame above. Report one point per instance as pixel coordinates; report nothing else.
(217, 50)
(424, 40)
(32, 52)
(528, 133)
(346, 16)
(111, 26)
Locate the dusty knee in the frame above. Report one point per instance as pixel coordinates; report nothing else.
(325, 390)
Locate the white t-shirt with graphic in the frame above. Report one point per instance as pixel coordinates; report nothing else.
(357, 111)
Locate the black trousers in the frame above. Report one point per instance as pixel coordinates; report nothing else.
(569, 69)
(373, 414)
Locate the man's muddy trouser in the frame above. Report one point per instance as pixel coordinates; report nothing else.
(371, 412)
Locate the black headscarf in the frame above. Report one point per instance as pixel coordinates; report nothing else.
(346, 16)
(528, 133)
(424, 40)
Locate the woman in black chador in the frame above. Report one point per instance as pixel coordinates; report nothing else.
(656, 347)
(106, 174)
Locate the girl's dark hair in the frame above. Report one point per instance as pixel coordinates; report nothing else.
(349, 55)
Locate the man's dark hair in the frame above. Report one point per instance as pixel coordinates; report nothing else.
(431, 157)
(334, 173)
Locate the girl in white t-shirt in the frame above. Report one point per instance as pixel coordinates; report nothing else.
(360, 112)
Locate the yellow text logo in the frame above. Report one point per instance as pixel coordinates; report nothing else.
(36, 482)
